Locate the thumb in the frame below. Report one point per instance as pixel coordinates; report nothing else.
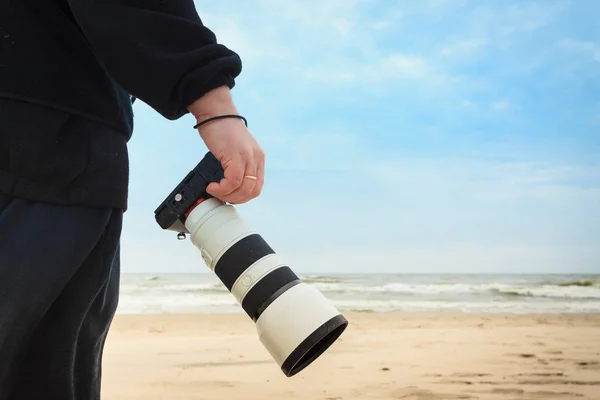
(232, 179)
(212, 188)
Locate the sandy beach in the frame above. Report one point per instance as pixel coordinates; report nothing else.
(412, 356)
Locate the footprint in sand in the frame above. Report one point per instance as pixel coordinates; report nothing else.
(534, 395)
(543, 374)
(553, 352)
(507, 391)
(526, 355)
(222, 364)
(559, 382)
(594, 365)
(549, 394)
(469, 375)
(522, 355)
(423, 394)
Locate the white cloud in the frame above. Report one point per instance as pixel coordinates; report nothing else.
(384, 72)
(465, 47)
(450, 256)
(382, 24)
(316, 151)
(290, 38)
(345, 75)
(501, 105)
(500, 26)
(404, 66)
(528, 17)
(342, 26)
(586, 47)
(311, 12)
(490, 181)
(531, 16)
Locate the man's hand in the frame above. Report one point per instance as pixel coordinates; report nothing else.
(233, 145)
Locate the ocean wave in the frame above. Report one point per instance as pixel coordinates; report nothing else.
(548, 290)
(175, 288)
(222, 303)
(582, 283)
(379, 306)
(567, 290)
(320, 279)
(176, 303)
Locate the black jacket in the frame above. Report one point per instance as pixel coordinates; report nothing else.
(87, 59)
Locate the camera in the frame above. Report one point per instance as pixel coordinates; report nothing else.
(295, 322)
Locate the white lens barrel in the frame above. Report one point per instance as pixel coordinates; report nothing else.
(295, 322)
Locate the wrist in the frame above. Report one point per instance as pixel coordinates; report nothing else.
(214, 103)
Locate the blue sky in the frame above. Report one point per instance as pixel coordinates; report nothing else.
(424, 136)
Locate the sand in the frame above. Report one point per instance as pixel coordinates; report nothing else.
(381, 356)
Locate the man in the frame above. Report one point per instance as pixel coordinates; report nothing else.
(68, 71)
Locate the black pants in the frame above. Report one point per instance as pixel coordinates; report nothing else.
(59, 283)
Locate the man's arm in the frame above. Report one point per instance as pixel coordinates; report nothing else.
(160, 52)
(157, 50)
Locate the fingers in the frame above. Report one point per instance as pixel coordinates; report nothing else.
(260, 175)
(243, 179)
(233, 178)
(241, 157)
(244, 192)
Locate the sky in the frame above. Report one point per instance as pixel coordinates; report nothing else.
(429, 136)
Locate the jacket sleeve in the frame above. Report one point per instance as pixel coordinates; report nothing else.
(157, 50)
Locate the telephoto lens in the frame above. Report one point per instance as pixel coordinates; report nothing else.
(295, 322)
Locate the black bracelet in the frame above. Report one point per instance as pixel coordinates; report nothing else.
(220, 117)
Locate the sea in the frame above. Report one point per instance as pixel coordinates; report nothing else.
(378, 293)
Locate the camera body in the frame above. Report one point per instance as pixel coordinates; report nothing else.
(170, 215)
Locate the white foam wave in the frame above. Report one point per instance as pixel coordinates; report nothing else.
(175, 287)
(174, 294)
(575, 292)
(467, 306)
(547, 290)
(223, 303)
